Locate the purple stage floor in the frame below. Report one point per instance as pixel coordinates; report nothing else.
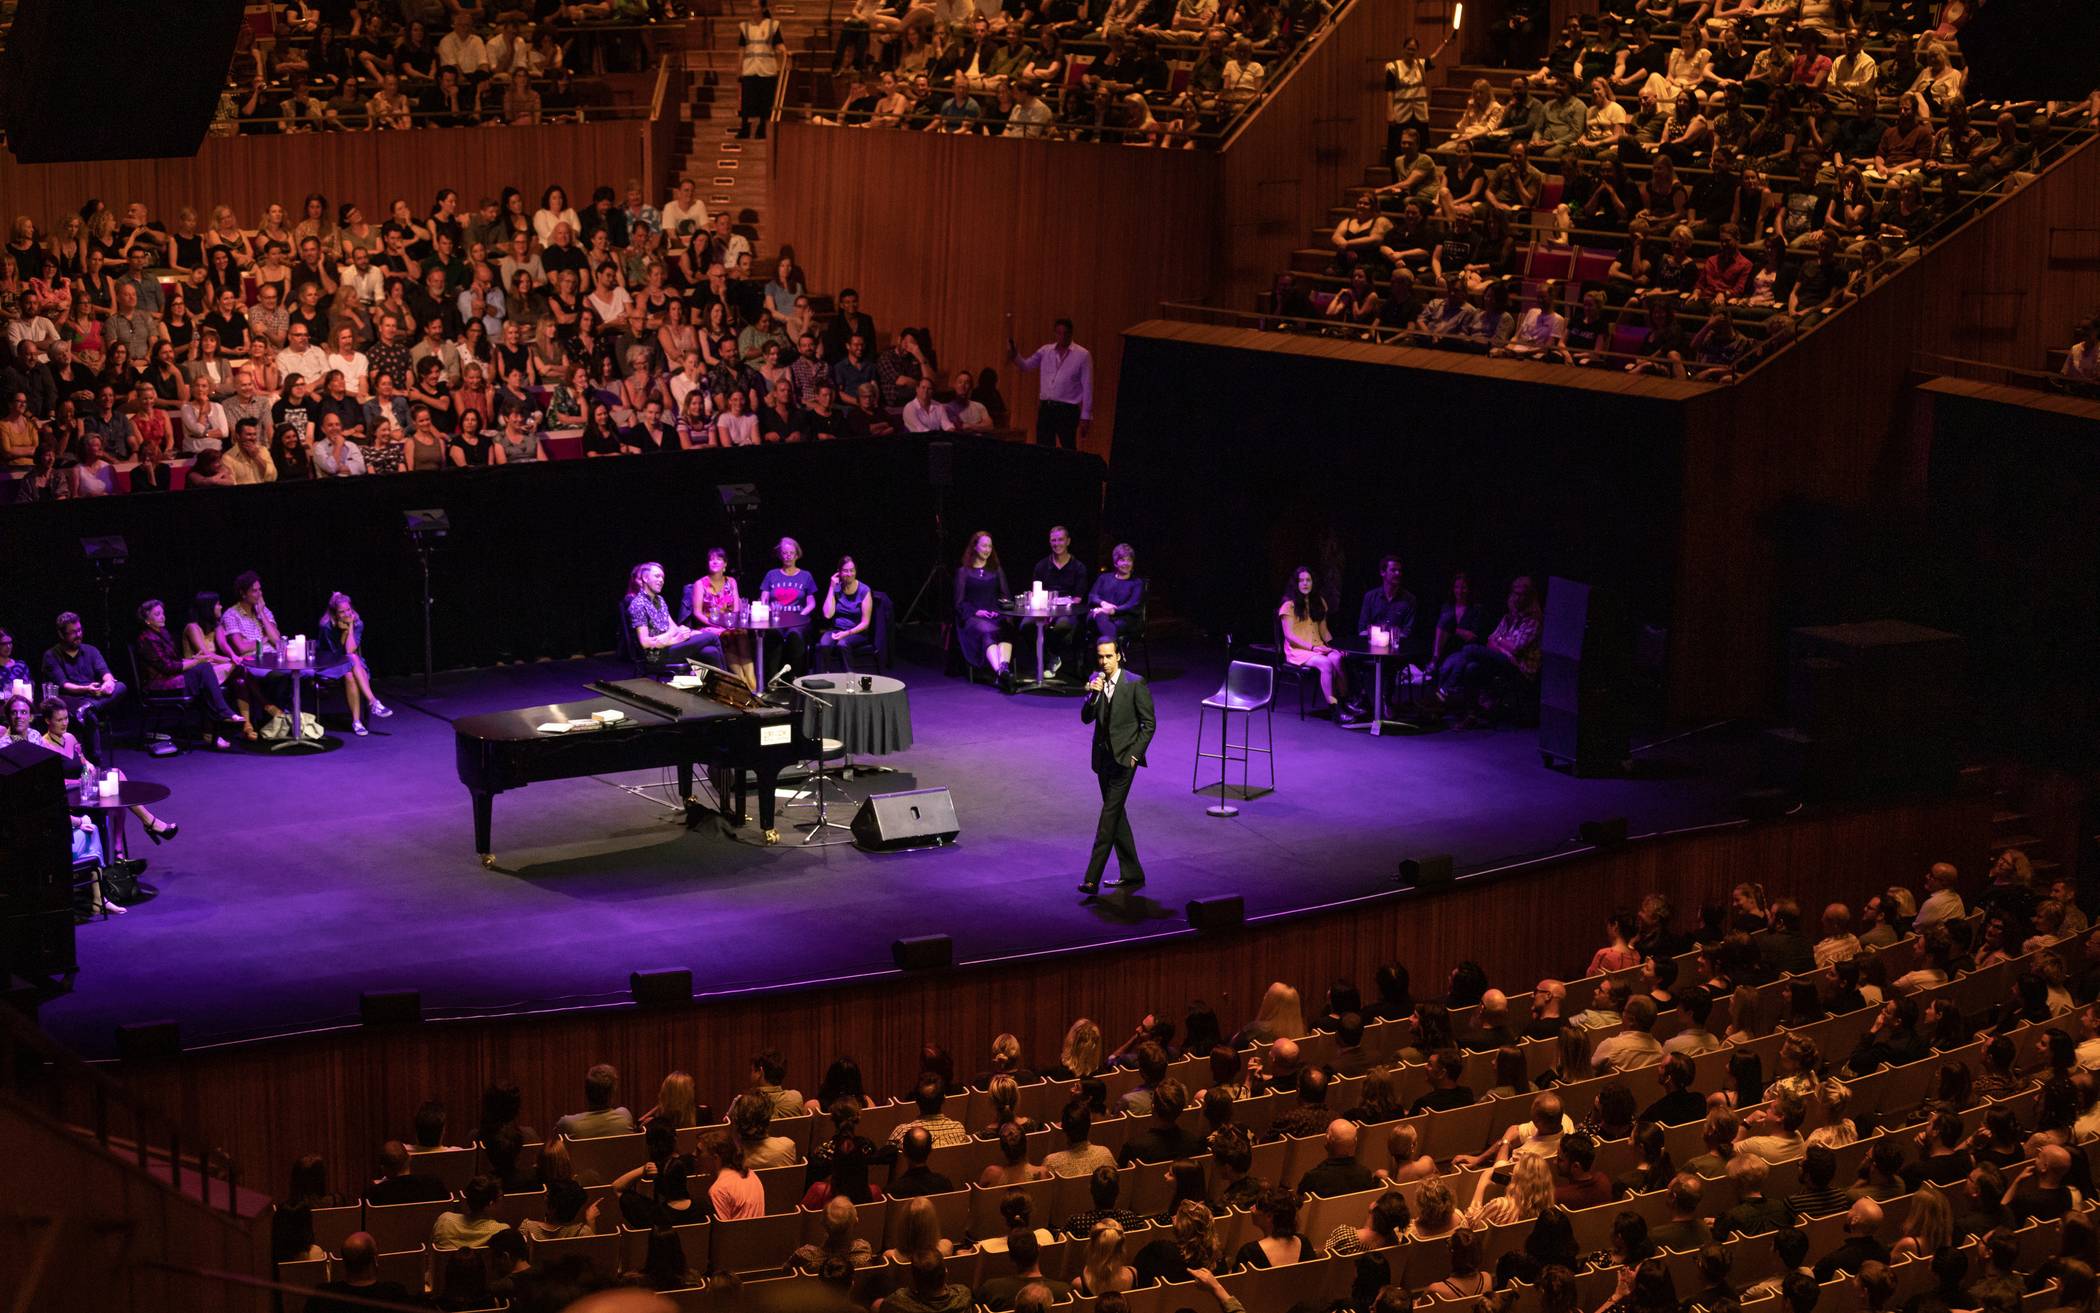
(298, 882)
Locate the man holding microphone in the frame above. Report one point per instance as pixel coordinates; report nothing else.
(1119, 707)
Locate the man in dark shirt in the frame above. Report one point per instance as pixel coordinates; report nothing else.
(1309, 1115)
(1942, 1160)
(1576, 1181)
(1023, 1251)
(847, 321)
(1755, 1212)
(1818, 1197)
(917, 1178)
(1859, 1246)
(75, 672)
(1165, 1140)
(1063, 575)
(360, 1279)
(1339, 1173)
(1388, 607)
(1685, 1230)
(1784, 947)
(1445, 1093)
(2040, 1191)
(1892, 1039)
(1679, 1103)
(398, 1185)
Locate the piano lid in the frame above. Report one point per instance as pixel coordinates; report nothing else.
(654, 696)
(524, 723)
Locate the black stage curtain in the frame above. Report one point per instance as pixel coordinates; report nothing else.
(538, 555)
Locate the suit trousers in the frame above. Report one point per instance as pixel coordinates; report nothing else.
(1113, 831)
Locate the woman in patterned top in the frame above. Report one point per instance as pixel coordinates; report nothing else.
(1478, 674)
(658, 639)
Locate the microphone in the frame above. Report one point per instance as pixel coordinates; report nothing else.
(779, 675)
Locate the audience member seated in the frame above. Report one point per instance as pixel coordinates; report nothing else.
(601, 1116)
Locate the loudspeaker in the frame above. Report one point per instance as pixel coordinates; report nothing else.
(661, 989)
(152, 73)
(140, 1041)
(36, 848)
(1433, 872)
(918, 818)
(1585, 666)
(390, 1007)
(1607, 833)
(922, 952)
(1219, 912)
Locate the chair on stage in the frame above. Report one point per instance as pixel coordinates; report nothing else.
(157, 706)
(877, 649)
(1249, 687)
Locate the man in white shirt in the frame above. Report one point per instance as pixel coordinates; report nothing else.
(922, 414)
(1838, 942)
(729, 243)
(1853, 73)
(1030, 116)
(685, 214)
(1540, 1136)
(964, 412)
(1634, 1046)
(463, 48)
(1943, 900)
(1064, 411)
(483, 300)
(301, 356)
(40, 333)
(366, 278)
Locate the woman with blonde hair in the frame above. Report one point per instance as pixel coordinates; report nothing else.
(675, 1102)
(1006, 1060)
(1928, 1229)
(1746, 1019)
(1530, 1193)
(918, 1230)
(1436, 1213)
(1080, 1055)
(1799, 1062)
(1404, 1147)
(1104, 1272)
(1837, 1129)
(1281, 1016)
(838, 1240)
(1193, 1245)
(1005, 1093)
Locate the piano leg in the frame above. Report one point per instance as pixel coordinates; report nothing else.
(768, 787)
(484, 817)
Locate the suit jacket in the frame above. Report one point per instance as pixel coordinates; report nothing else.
(1126, 731)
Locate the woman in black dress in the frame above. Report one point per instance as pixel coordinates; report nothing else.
(980, 587)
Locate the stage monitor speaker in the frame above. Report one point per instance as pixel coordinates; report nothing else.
(1585, 664)
(661, 989)
(917, 818)
(1432, 872)
(1218, 912)
(143, 1041)
(1607, 833)
(922, 952)
(151, 72)
(390, 1007)
(36, 850)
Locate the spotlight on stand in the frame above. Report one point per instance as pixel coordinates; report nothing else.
(426, 530)
(740, 504)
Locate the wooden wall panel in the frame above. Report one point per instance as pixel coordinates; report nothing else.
(340, 1095)
(1826, 423)
(1287, 166)
(952, 233)
(371, 168)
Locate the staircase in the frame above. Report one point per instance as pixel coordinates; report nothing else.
(732, 174)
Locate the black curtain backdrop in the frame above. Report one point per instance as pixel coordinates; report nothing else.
(1249, 464)
(538, 555)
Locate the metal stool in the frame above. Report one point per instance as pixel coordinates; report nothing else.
(1249, 687)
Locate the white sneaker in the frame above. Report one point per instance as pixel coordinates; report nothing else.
(357, 727)
(381, 710)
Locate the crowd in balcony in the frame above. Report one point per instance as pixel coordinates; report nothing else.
(1673, 189)
(1886, 1106)
(330, 342)
(1145, 72)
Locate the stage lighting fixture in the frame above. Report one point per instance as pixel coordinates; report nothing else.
(661, 989)
(1432, 872)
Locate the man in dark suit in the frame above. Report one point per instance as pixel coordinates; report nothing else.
(1119, 707)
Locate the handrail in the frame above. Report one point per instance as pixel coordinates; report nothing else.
(2039, 380)
(30, 1059)
(1272, 79)
(780, 84)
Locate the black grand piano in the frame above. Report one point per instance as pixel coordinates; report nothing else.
(720, 726)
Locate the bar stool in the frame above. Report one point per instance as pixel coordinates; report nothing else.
(1249, 687)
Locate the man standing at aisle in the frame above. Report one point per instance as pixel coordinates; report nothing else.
(1064, 408)
(1119, 707)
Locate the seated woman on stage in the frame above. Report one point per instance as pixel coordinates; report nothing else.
(1117, 594)
(849, 613)
(791, 591)
(16, 716)
(200, 638)
(1479, 675)
(980, 586)
(343, 644)
(657, 638)
(164, 668)
(1306, 641)
(709, 601)
(56, 738)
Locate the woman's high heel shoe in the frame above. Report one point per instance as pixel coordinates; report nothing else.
(163, 833)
